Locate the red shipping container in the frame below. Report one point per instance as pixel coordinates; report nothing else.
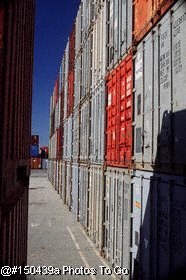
(72, 49)
(35, 140)
(59, 144)
(146, 15)
(70, 104)
(119, 115)
(56, 92)
(35, 163)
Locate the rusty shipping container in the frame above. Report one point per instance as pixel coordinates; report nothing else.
(16, 67)
(35, 163)
(119, 115)
(147, 14)
(160, 106)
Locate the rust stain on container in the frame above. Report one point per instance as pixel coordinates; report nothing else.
(146, 15)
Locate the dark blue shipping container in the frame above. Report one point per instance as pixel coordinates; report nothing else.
(34, 151)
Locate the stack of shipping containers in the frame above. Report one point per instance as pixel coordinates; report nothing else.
(119, 162)
(16, 67)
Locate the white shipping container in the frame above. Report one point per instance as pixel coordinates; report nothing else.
(58, 113)
(65, 99)
(67, 140)
(68, 185)
(63, 189)
(78, 36)
(97, 124)
(159, 225)
(78, 80)
(96, 199)
(119, 30)
(117, 217)
(76, 136)
(66, 61)
(160, 71)
(75, 190)
(83, 196)
(99, 47)
(53, 146)
(86, 67)
(84, 131)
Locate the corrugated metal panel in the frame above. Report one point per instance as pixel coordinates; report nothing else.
(75, 190)
(159, 104)
(117, 217)
(84, 131)
(16, 65)
(67, 145)
(83, 196)
(53, 146)
(119, 115)
(78, 37)
(150, 12)
(97, 124)
(86, 67)
(96, 210)
(63, 192)
(119, 30)
(69, 185)
(76, 136)
(78, 81)
(99, 48)
(159, 225)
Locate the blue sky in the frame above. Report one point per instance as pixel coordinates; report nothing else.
(53, 23)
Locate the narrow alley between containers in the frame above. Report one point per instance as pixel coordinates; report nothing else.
(56, 240)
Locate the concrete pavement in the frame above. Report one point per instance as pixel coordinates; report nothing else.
(56, 239)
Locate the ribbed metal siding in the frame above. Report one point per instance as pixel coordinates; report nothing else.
(117, 217)
(159, 102)
(97, 124)
(119, 30)
(159, 225)
(16, 66)
(96, 211)
(75, 189)
(83, 196)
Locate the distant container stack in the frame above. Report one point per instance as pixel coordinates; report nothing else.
(119, 162)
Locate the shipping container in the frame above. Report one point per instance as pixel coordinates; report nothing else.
(84, 131)
(67, 145)
(160, 70)
(44, 163)
(86, 67)
(84, 196)
(76, 135)
(35, 140)
(78, 36)
(56, 92)
(119, 115)
(117, 217)
(75, 190)
(119, 30)
(97, 141)
(96, 206)
(78, 81)
(99, 48)
(34, 151)
(53, 146)
(71, 75)
(147, 14)
(35, 163)
(159, 225)
(69, 185)
(16, 67)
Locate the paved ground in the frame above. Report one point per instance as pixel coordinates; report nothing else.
(55, 238)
